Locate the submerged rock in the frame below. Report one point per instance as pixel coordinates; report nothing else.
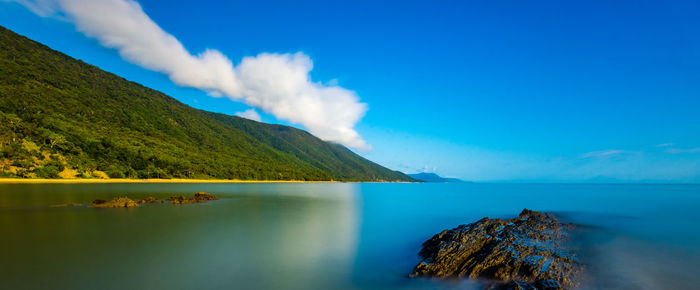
(180, 200)
(199, 196)
(115, 203)
(204, 196)
(527, 252)
(150, 199)
(66, 205)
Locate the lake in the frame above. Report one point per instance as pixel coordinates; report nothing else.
(325, 236)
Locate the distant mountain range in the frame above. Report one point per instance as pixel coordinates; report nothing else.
(61, 117)
(432, 177)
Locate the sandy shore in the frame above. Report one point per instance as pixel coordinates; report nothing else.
(174, 180)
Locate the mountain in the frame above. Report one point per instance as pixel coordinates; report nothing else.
(432, 177)
(61, 117)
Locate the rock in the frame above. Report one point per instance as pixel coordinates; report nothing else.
(66, 205)
(545, 284)
(512, 285)
(181, 200)
(115, 203)
(527, 252)
(199, 196)
(203, 196)
(150, 199)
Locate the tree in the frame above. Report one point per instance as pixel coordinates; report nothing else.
(5, 165)
(49, 171)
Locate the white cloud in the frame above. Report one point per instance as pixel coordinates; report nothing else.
(679, 151)
(428, 169)
(276, 83)
(39, 7)
(250, 114)
(603, 153)
(665, 144)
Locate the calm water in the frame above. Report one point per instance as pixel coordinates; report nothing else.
(325, 236)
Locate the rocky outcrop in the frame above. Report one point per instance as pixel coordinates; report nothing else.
(204, 196)
(199, 196)
(528, 252)
(66, 205)
(114, 203)
(150, 199)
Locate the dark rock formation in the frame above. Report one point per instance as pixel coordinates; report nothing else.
(199, 196)
(150, 199)
(115, 203)
(204, 196)
(527, 252)
(180, 200)
(66, 205)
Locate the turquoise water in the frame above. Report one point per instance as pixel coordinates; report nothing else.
(325, 236)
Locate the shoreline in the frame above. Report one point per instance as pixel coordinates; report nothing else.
(126, 180)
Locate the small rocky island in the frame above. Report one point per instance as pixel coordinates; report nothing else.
(528, 252)
(119, 202)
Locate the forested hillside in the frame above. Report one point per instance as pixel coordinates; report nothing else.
(61, 117)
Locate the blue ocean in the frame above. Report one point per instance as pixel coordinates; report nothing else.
(327, 236)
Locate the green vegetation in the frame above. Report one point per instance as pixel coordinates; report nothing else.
(61, 117)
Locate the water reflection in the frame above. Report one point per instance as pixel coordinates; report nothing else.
(325, 236)
(251, 238)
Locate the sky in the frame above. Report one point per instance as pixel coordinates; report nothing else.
(493, 91)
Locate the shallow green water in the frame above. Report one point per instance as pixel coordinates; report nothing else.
(324, 236)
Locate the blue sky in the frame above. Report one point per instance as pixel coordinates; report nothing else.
(487, 91)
